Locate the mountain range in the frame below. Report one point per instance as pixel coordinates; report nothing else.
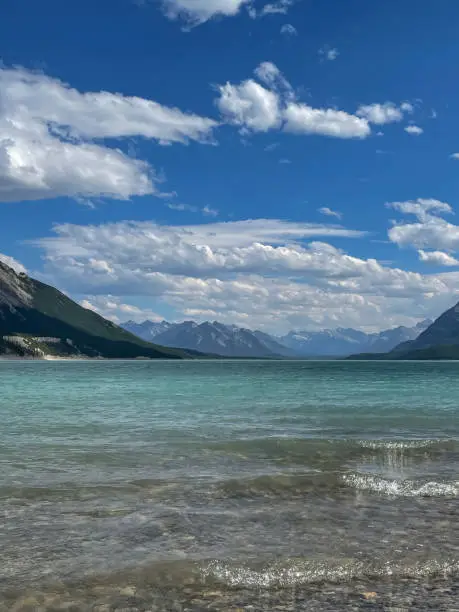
(211, 337)
(37, 320)
(232, 341)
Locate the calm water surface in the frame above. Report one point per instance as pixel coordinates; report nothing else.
(218, 485)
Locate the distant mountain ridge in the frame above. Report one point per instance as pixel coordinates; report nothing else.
(211, 337)
(148, 330)
(344, 341)
(37, 320)
(232, 341)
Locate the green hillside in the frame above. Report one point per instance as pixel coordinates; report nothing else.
(50, 322)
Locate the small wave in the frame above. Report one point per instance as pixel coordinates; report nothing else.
(400, 488)
(305, 571)
(331, 453)
(277, 485)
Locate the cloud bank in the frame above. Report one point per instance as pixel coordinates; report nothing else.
(265, 273)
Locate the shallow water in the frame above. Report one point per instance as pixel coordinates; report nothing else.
(218, 485)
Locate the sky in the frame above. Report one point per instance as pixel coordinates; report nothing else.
(284, 164)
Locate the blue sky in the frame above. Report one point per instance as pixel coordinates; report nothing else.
(277, 165)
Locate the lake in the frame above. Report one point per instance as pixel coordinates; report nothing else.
(220, 485)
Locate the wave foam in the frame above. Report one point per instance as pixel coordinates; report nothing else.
(295, 572)
(399, 444)
(401, 488)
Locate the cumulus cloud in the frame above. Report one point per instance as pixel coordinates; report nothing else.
(430, 231)
(13, 263)
(269, 273)
(329, 212)
(250, 106)
(437, 258)
(47, 134)
(414, 130)
(269, 74)
(422, 208)
(434, 233)
(381, 114)
(256, 108)
(454, 156)
(303, 119)
(195, 12)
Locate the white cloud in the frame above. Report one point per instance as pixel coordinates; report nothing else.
(256, 108)
(150, 238)
(381, 114)
(13, 263)
(261, 272)
(454, 156)
(102, 114)
(329, 212)
(269, 74)
(414, 130)
(99, 265)
(407, 107)
(423, 208)
(434, 233)
(195, 12)
(328, 53)
(38, 166)
(430, 231)
(47, 131)
(438, 258)
(250, 106)
(289, 30)
(303, 119)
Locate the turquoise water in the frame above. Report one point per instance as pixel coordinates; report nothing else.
(237, 474)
